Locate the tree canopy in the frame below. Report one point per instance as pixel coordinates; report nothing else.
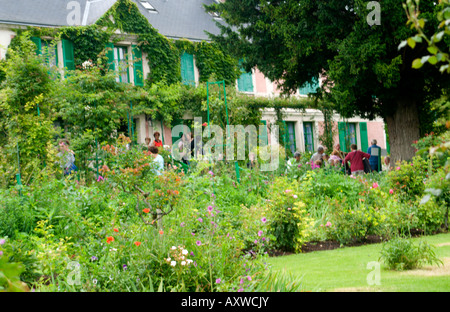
(295, 41)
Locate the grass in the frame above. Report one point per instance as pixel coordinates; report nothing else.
(346, 269)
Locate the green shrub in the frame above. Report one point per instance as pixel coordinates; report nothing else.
(402, 254)
(288, 221)
(15, 214)
(348, 222)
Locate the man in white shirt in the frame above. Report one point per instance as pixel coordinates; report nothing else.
(158, 159)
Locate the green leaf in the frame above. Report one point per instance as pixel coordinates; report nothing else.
(433, 60)
(432, 49)
(417, 64)
(438, 37)
(411, 43)
(417, 38)
(421, 23)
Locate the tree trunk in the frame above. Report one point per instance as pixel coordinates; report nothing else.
(403, 129)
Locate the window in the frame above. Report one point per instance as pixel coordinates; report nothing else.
(148, 7)
(118, 60)
(289, 136)
(309, 137)
(121, 64)
(187, 69)
(309, 87)
(263, 135)
(50, 52)
(245, 82)
(347, 135)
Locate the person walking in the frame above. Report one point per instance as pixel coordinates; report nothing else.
(375, 154)
(355, 158)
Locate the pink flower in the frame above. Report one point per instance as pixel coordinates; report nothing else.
(263, 220)
(375, 185)
(391, 191)
(260, 233)
(198, 243)
(210, 208)
(295, 196)
(398, 168)
(200, 219)
(328, 224)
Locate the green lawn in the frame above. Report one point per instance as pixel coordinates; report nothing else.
(346, 269)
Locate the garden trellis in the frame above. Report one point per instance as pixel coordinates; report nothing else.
(221, 83)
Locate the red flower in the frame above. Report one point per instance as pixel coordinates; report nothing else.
(116, 230)
(146, 210)
(204, 124)
(161, 232)
(137, 243)
(109, 239)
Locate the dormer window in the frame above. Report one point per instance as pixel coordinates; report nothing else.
(148, 7)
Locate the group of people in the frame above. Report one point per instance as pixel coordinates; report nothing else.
(360, 162)
(67, 156)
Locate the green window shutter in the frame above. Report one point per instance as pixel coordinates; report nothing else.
(37, 41)
(110, 55)
(245, 81)
(138, 67)
(68, 55)
(342, 137)
(187, 69)
(263, 136)
(363, 135)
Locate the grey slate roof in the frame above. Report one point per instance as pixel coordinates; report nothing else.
(51, 12)
(174, 18)
(181, 18)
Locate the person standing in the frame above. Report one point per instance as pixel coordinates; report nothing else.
(375, 153)
(158, 159)
(355, 158)
(67, 157)
(157, 142)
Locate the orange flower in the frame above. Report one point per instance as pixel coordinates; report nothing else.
(109, 239)
(116, 230)
(161, 232)
(146, 210)
(137, 243)
(176, 192)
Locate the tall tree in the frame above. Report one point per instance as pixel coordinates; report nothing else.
(353, 43)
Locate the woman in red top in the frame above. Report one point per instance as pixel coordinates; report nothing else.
(157, 142)
(356, 160)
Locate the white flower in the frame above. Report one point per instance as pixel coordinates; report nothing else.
(173, 247)
(189, 261)
(173, 263)
(183, 262)
(184, 252)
